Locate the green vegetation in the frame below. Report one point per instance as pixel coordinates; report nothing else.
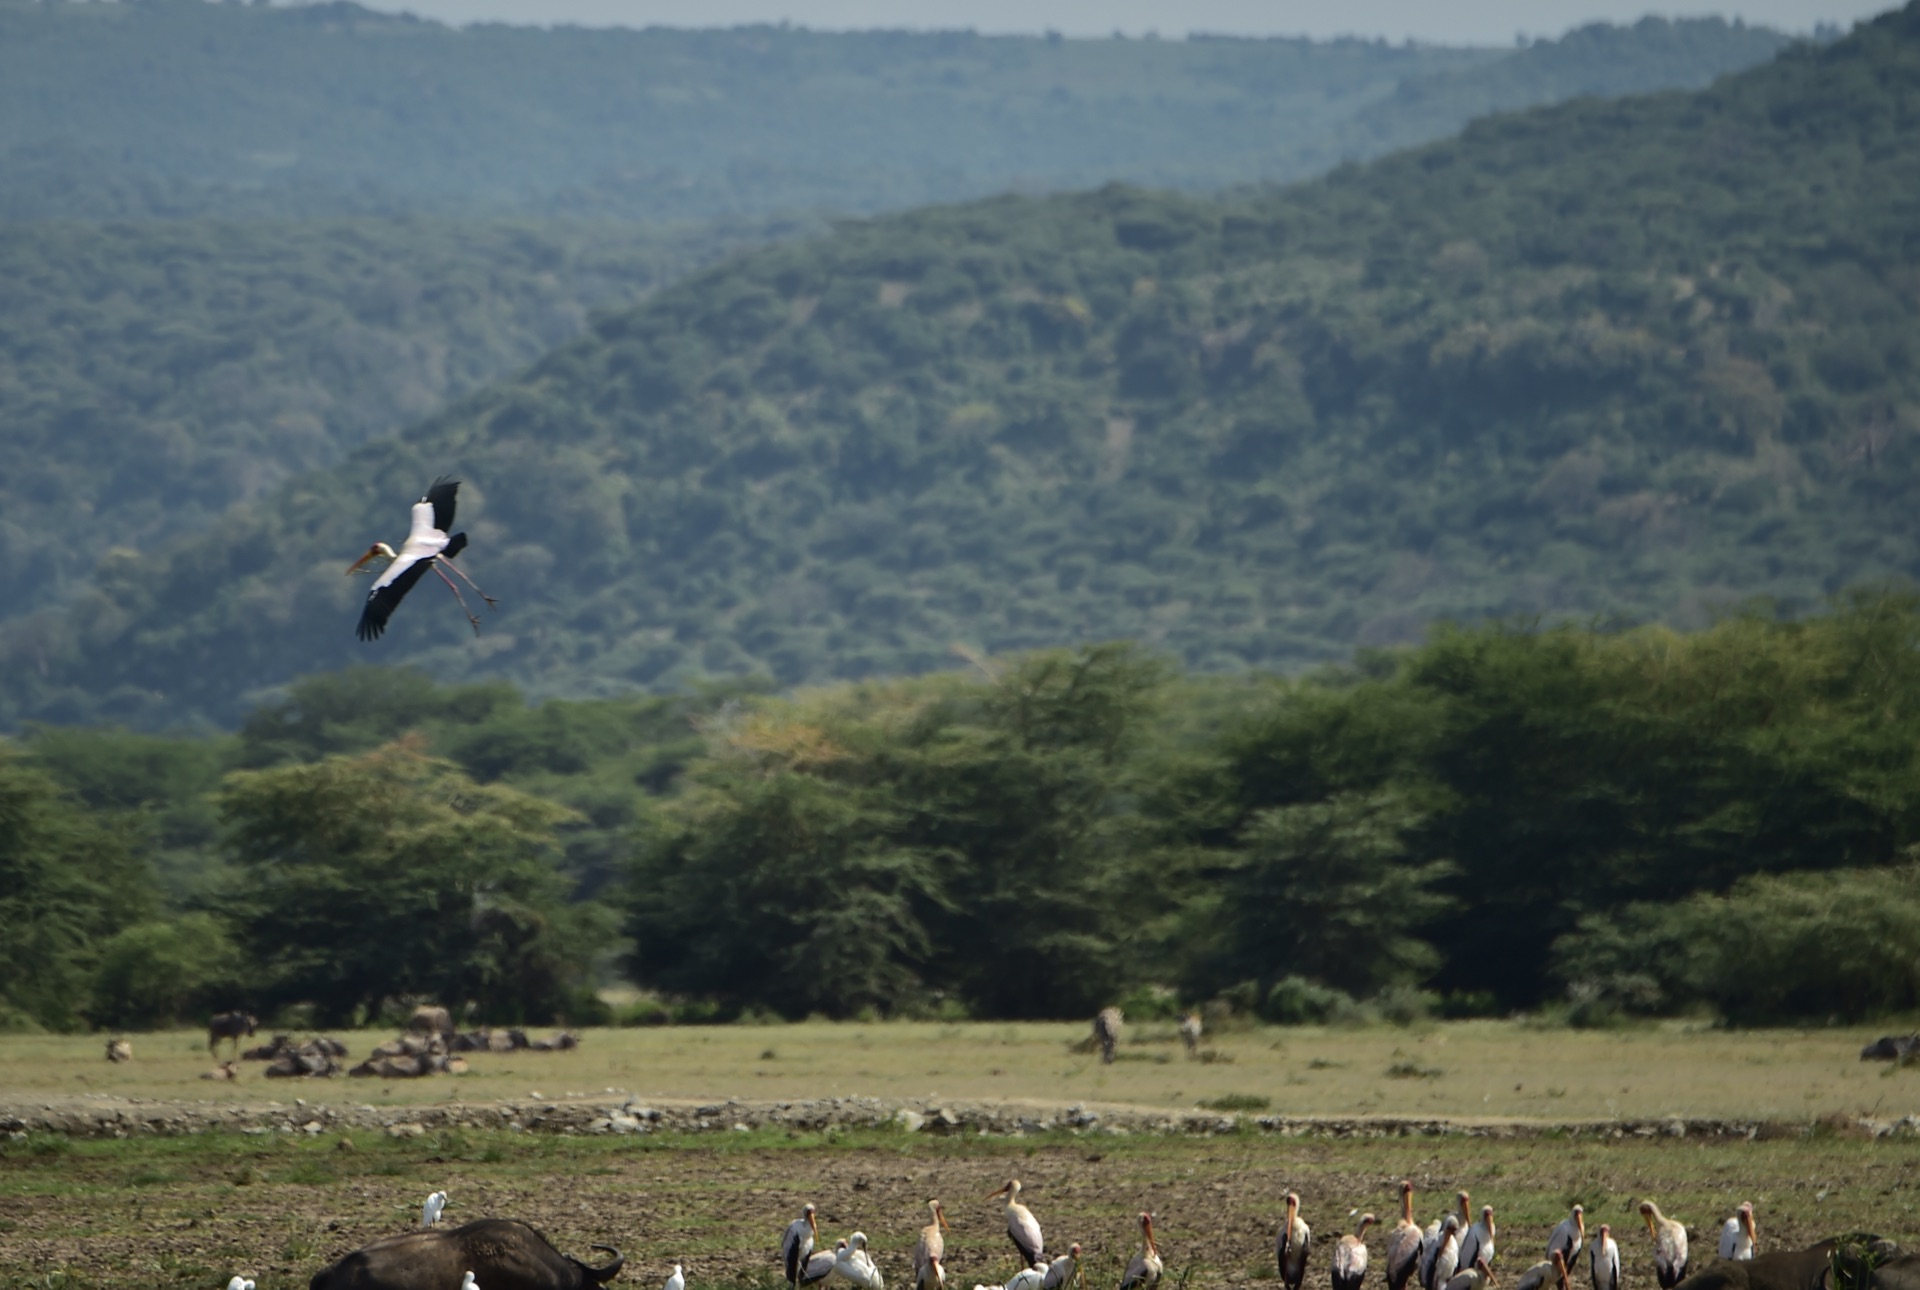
(1627, 360)
(1584, 824)
(175, 107)
(153, 374)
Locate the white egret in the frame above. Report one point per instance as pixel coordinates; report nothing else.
(430, 1210)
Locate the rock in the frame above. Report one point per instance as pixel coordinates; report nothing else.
(911, 1121)
(407, 1130)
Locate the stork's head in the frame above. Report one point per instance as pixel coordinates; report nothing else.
(1074, 1252)
(1011, 1191)
(1649, 1211)
(939, 1214)
(1746, 1217)
(1366, 1221)
(1146, 1228)
(375, 551)
(857, 1241)
(1466, 1206)
(1606, 1233)
(1293, 1205)
(1486, 1216)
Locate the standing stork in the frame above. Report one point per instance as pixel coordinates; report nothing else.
(1023, 1229)
(1604, 1262)
(796, 1247)
(1438, 1266)
(1477, 1277)
(1669, 1246)
(819, 1265)
(1737, 1237)
(1350, 1256)
(1571, 1236)
(1291, 1247)
(428, 546)
(1063, 1271)
(1144, 1272)
(929, 1250)
(856, 1265)
(1403, 1242)
(1478, 1242)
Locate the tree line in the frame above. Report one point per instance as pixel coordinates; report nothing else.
(1581, 823)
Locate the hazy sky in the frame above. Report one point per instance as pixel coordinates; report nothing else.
(1446, 21)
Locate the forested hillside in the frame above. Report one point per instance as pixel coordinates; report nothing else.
(153, 374)
(1614, 358)
(178, 107)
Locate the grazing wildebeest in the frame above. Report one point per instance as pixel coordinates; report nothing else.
(502, 1254)
(119, 1050)
(230, 1025)
(1891, 1048)
(1106, 1031)
(429, 1019)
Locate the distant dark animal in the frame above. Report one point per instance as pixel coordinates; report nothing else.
(282, 1045)
(315, 1057)
(1106, 1032)
(408, 1065)
(488, 1040)
(119, 1050)
(233, 1026)
(1891, 1048)
(565, 1041)
(431, 1045)
(502, 1254)
(1901, 1272)
(430, 1019)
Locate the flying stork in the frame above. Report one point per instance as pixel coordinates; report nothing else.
(1403, 1242)
(1737, 1237)
(1291, 1247)
(1023, 1229)
(1669, 1246)
(796, 1247)
(428, 546)
(1350, 1256)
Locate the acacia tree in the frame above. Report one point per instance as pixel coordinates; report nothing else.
(390, 873)
(67, 882)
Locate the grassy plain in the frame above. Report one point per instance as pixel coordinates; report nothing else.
(1498, 1069)
(189, 1212)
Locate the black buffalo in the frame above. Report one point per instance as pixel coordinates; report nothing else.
(502, 1254)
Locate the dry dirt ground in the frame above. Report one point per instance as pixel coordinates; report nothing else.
(191, 1211)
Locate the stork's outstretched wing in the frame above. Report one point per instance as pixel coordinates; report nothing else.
(387, 594)
(440, 497)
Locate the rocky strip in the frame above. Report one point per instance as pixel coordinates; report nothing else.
(101, 1116)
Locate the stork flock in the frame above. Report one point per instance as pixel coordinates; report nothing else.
(1453, 1252)
(851, 1261)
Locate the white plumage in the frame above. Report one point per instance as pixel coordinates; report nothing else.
(678, 1281)
(1669, 1246)
(468, 1283)
(1403, 1243)
(1737, 1236)
(1144, 1271)
(431, 1210)
(856, 1265)
(1023, 1229)
(1349, 1263)
(1477, 1245)
(1064, 1270)
(1570, 1237)
(1604, 1262)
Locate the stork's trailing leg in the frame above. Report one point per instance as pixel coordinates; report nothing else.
(471, 620)
(491, 602)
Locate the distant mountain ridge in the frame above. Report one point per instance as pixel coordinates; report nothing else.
(1618, 358)
(178, 108)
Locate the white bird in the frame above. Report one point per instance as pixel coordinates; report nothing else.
(1350, 1256)
(1028, 1278)
(239, 1283)
(469, 1283)
(929, 1250)
(1553, 1269)
(1023, 1229)
(1291, 1247)
(430, 1211)
(1403, 1242)
(1477, 1277)
(1439, 1268)
(1571, 1236)
(1604, 1260)
(1669, 1246)
(1064, 1270)
(1737, 1236)
(857, 1266)
(678, 1281)
(428, 546)
(1477, 1244)
(796, 1247)
(819, 1265)
(1144, 1271)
